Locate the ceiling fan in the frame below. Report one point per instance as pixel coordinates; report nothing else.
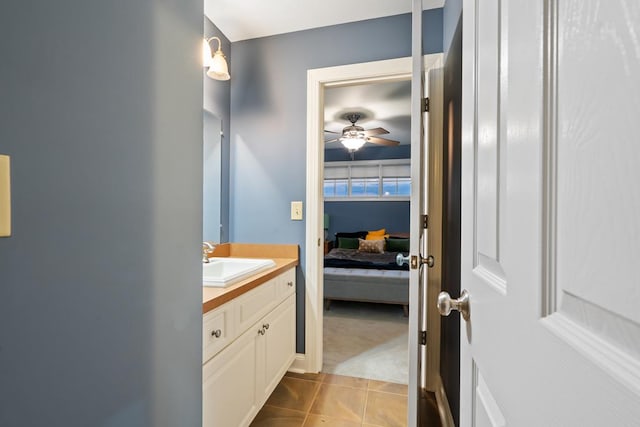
(353, 137)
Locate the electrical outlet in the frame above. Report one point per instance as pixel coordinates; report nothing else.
(5, 197)
(296, 211)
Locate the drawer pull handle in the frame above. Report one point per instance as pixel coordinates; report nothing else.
(265, 326)
(290, 284)
(217, 333)
(261, 331)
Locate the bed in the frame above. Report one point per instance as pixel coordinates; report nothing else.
(354, 275)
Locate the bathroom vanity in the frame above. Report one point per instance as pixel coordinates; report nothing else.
(248, 335)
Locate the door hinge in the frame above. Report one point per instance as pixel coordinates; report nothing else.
(423, 337)
(424, 219)
(425, 105)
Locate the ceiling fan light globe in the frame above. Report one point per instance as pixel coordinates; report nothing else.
(353, 144)
(354, 136)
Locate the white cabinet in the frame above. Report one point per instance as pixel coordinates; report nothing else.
(277, 346)
(248, 345)
(228, 384)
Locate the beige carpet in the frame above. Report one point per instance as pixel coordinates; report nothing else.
(367, 341)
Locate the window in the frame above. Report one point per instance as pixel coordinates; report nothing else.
(336, 187)
(368, 180)
(361, 187)
(396, 186)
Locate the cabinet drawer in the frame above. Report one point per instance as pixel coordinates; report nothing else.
(217, 330)
(286, 284)
(255, 304)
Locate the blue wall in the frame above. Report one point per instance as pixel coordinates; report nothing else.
(217, 99)
(358, 216)
(369, 153)
(361, 215)
(268, 130)
(100, 284)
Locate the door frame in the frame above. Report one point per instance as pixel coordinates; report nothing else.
(317, 80)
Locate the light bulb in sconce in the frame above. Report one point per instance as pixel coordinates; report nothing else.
(217, 64)
(206, 54)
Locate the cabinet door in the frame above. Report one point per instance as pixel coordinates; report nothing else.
(229, 384)
(279, 345)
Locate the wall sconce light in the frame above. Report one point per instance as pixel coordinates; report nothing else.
(217, 63)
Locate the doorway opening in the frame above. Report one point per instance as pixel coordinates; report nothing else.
(366, 197)
(318, 81)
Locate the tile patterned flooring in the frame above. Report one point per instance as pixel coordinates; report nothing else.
(313, 400)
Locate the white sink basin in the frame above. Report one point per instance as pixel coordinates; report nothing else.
(223, 272)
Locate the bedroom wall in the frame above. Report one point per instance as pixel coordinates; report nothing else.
(369, 153)
(357, 216)
(268, 130)
(361, 215)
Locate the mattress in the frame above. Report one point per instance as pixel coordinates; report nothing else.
(364, 284)
(390, 276)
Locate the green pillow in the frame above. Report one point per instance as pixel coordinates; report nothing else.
(348, 243)
(397, 245)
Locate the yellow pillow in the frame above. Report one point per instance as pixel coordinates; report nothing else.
(375, 234)
(376, 237)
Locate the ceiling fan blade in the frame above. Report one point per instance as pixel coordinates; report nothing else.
(382, 141)
(330, 131)
(375, 131)
(332, 140)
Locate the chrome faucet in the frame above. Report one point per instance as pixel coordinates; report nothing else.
(207, 248)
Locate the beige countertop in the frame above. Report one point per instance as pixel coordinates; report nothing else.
(285, 257)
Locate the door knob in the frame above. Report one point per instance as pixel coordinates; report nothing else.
(446, 304)
(401, 259)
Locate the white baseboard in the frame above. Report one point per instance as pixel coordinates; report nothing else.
(299, 365)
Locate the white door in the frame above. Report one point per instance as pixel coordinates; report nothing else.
(426, 259)
(417, 276)
(551, 213)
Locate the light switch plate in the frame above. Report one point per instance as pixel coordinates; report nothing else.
(5, 196)
(296, 211)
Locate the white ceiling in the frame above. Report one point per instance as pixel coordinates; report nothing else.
(248, 19)
(386, 105)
